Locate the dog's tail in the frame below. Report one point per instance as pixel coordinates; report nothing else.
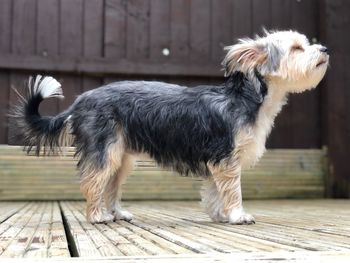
(44, 134)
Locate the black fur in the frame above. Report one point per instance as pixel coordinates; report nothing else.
(184, 128)
(40, 132)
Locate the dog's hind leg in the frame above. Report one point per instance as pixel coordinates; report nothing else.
(113, 190)
(95, 178)
(226, 189)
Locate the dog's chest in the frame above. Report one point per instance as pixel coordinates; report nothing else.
(250, 141)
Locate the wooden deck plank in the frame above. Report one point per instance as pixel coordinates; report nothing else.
(232, 242)
(33, 231)
(120, 245)
(10, 228)
(8, 209)
(292, 257)
(25, 231)
(161, 230)
(58, 246)
(38, 246)
(275, 232)
(81, 234)
(131, 239)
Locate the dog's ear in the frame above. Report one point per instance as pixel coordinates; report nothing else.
(244, 56)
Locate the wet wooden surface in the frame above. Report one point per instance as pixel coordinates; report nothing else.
(293, 229)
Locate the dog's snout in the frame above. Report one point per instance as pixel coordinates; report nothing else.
(324, 49)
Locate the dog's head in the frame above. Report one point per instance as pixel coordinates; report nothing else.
(285, 58)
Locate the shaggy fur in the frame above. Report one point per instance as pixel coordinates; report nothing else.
(209, 131)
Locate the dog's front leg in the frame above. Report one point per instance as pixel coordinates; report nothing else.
(227, 179)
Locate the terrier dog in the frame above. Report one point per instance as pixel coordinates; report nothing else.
(209, 131)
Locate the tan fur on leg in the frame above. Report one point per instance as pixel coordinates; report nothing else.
(212, 202)
(113, 190)
(94, 182)
(227, 179)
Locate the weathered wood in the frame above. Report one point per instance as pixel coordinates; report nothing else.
(280, 174)
(100, 66)
(199, 33)
(138, 21)
(221, 17)
(35, 231)
(335, 95)
(47, 42)
(159, 29)
(160, 230)
(5, 47)
(180, 17)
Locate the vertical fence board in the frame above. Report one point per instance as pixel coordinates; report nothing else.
(200, 30)
(5, 47)
(115, 29)
(179, 28)
(23, 42)
(138, 22)
(280, 14)
(221, 28)
(47, 42)
(241, 22)
(93, 37)
(24, 26)
(71, 44)
(159, 29)
(334, 20)
(261, 15)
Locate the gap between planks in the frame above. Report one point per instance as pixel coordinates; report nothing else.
(47, 229)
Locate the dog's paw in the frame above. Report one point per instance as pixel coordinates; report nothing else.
(121, 214)
(239, 217)
(101, 218)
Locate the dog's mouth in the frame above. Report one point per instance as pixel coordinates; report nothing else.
(321, 62)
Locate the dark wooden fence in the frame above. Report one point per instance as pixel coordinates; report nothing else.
(85, 43)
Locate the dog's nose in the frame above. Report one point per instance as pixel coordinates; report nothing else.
(324, 50)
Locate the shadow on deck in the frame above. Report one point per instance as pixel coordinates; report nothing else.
(293, 230)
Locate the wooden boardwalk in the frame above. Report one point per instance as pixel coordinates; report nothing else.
(288, 229)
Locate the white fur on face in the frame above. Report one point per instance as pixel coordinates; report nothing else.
(285, 58)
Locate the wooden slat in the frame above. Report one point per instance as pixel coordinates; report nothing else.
(159, 33)
(23, 42)
(199, 33)
(261, 15)
(47, 42)
(164, 229)
(293, 257)
(71, 45)
(93, 21)
(280, 174)
(105, 66)
(179, 26)
(241, 20)
(5, 47)
(221, 28)
(335, 100)
(30, 233)
(138, 21)
(114, 26)
(182, 227)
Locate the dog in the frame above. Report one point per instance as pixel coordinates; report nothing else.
(209, 131)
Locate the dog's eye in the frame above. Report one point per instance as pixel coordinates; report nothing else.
(297, 48)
